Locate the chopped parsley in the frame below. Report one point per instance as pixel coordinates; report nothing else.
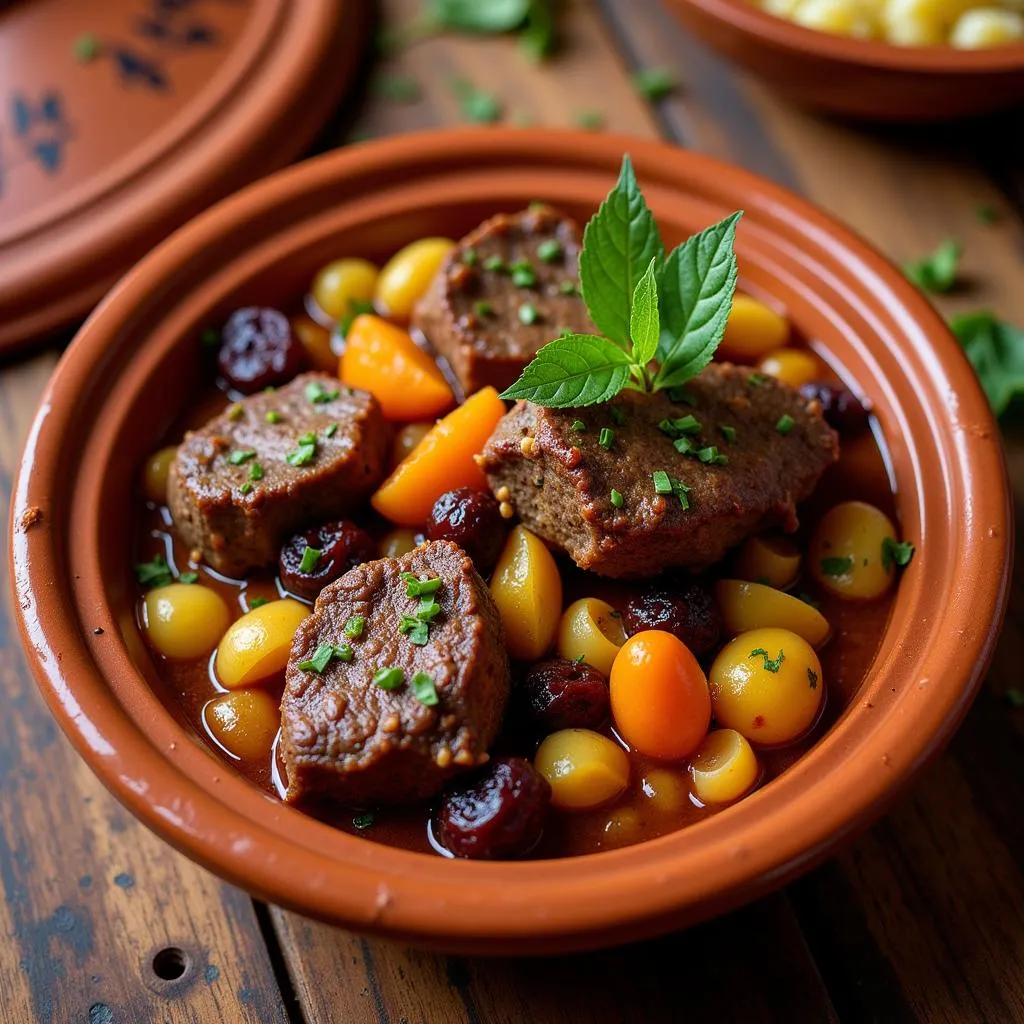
(812, 677)
(332, 429)
(528, 314)
(154, 574)
(418, 588)
(189, 577)
(616, 499)
(769, 664)
(835, 567)
(729, 433)
(428, 609)
(495, 264)
(323, 656)
(654, 83)
(255, 471)
(568, 287)
(318, 394)
(756, 380)
(896, 552)
(273, 416)
(415, 629)
(688, 424)
(483, 308)
(363, 821)
(246, 488)
(240, 456)
(606, 438)
(785, 424)
(305, 453)
(354, 627)
(617, 415)
(424, 690)
(684, 446)
(389, 678)
(235, 412)
(549, 251)
(523, 275)
(257, 602)
(713, 456)
(470, 258)
(662, 483)
(578, 426)
(310, 559)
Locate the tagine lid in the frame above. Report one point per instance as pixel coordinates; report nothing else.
(121, 119)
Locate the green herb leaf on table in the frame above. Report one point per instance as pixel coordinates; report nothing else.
(483, 16)
(937, 272)
(589, 120)
(697, 286)
(996, 351)
(538, 37)
(644, 321)
(654, 83)
(397, 88)
(573, 371)
(619, 243)
(476, 105)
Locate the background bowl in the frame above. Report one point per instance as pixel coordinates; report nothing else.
(855, 77)
(132, 367)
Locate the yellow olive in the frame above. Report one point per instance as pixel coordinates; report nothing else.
(340, 287)
(988, 26)
(752, 605)
(851, 551)
(408, 274)
(155, 472)
(585, 769)
(767, 685)
(622, 828)
(316, 340)
(916, 22)
(185, 620)
(527, 588)
(397, 543)
(256, 646)
(592, 630)
(792, 366)
(724, 768)
(841, 17)
(243, 722)
(407, 439)
(753, 329)
(768, 558)
(666, 791)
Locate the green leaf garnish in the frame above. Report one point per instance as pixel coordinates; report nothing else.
(644, 320)
(154, 574)
(189, 577)
(318, 394)
(257, 602)
(389, 678)
(310, 559)
(896, 552)
(416, 587)
(836, 567)
(424, 690)
(477, 105)
(616, 498)
(770, 665)
(785, 424)
(303, 455)
(354, 627)
(654, 83)
(729, 433)
(606, 438)
(323, 656)
(490, 17)
(937, 272)
(416, 630)
(662, 483)
(240, 456)
(996, 351)
(362, 821)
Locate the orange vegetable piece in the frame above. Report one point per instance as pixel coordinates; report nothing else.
(442, 461)
(384, 360)
(660, 697)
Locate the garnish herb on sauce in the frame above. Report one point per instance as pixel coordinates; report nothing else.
(235, 412)
(896, 552)
(470, 257)
(273, 416)
(240, 456)
(649, 307)
(246, 488)
(332, 429)
(310, 559)
(189, 577)
(362, 821)
(324, 655)
(785, 424)
(654, 83)
(836, 566)
(568, 288)
(995, 349)
(937, 272)
(757, 380)
(305, 453)
(495, 264)
(578, 426)
(770, 665)
(712, 456)
(255, 471)
(523, 274)
(389, 678)
(483, 308)
(662, 483)
(528, 314)
(415, 629)
(354, 627)
(257, 602)
(424, 690)
(154, 574)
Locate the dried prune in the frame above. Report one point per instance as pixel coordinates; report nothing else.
(686, 610)
(336, 547)
(258, 350)
(473, 521)
(559, 694)
(841, 408)
(496, 814)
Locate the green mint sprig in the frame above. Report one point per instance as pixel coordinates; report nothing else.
(996, 351)
(648, 307)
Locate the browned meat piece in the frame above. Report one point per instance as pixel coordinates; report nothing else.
(751, 449)
(507, 289)
(346, 739)
(272, 464)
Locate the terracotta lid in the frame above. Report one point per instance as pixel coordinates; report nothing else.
(120, 119)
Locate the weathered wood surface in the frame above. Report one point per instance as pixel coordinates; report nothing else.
(921, 919)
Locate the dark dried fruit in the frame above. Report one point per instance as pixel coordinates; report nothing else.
(473, 521)
(258, 350)
(497, 814)
(560, 694)
(687, 610)
(841, 408)
(341, 545)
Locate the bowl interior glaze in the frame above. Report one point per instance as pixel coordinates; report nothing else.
(137, 360)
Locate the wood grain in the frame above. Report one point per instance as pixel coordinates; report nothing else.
(91, 900)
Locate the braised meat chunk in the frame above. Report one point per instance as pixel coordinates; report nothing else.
(651, 482)
(272, 464)
(413, 688)
(506, 290)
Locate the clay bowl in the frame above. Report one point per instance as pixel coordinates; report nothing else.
(132, 367)
(858, 78)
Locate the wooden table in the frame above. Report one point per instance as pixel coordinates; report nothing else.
(921, 919)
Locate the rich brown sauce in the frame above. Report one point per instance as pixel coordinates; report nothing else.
(857, 628)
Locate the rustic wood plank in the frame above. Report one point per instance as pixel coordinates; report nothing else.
(95, 908)
(922, 917)
(337, 975)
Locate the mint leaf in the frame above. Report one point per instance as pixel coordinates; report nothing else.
(644, 321)
(996, 351)
(474, 16)
(937, 272)
(573, 371)
(697, 286)
(619, 243)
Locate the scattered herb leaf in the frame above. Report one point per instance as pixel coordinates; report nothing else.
(937, 272)
(770, 665)
(785, 424)
(156, 573)
(354, 627)
(415, 629)
(606, 438)
(323, 656)
(528, 314)
(273, 416)
(616, 499)
(389, 678)
(896, 552)
(318, 394)
(257, 602)
(836, 566)
(729, 433)
(332, 429)
(654, 83)
(549, 251)
(189, 577)
(424, 690)
(578, 426)
(483, 308)
(303, 455)
(996, 351)
(240, 456)
(662, 483)
(310, 560)
(415, 587)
